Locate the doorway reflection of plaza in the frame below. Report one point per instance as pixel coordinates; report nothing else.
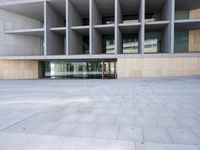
(80, 70)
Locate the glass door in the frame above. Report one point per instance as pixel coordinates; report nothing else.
(108, 70)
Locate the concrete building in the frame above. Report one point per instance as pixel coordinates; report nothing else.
(99, 38)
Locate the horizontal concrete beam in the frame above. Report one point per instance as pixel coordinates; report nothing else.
(105, 56)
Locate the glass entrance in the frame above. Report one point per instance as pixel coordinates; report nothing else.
(108, 71)
(82, 70)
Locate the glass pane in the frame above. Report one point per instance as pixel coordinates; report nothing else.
(152, 42)
(86, 44)
(64, 69)
(108, 44)
(130, 43)
(181, 42)
(181, 15)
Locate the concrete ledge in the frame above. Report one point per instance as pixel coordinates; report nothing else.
(100, 56)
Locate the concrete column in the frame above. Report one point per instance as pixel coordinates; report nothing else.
(172, 17)
(45, 28)
(91, 26)
(118, 34)
(95, 35)
(142, 28)
(67, 27)
(168, 33)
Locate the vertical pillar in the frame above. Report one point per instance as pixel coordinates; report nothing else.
(91, 26)
(172, 16)
(102, 69)
(168, 32)
(118, 34)
(109, 70)
(142, 28)
(67, 27)
(45, 28)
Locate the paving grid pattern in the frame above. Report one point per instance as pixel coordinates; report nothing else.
(140, 114)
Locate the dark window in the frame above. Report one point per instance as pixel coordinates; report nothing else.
(156, 16)
(86, 21)
(108, 20)
(86, 44)
(130, 18)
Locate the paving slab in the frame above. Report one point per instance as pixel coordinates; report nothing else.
(141, 114)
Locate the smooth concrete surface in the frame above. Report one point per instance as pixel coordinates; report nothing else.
(140, 114)
(19, 44)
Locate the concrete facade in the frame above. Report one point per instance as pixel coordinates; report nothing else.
(53, 30)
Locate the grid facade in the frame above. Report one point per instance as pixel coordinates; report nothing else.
(84, 30)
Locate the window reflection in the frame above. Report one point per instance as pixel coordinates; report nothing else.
(63, 69)
(108, 44)
(130, 43)
(152, 42)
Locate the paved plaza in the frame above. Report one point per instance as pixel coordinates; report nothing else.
(140, 114)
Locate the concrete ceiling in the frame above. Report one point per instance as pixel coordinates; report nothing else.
(130, 6)
(106, 7)
(84, 31)
(33, 10)
(130, 28)
(155, 27)
(82, 6)
(187, 4)
(107, 30)
(154, 5)
(59, 6)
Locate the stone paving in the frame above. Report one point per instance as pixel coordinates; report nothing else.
(140, 114)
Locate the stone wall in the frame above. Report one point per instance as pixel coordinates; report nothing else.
(20, 69)
(158, 67)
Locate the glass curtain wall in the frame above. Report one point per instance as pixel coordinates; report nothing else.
(83, 70)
